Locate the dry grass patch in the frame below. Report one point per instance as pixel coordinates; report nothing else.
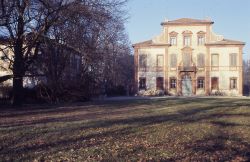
(164, 129)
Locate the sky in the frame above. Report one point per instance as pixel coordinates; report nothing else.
(231, 17)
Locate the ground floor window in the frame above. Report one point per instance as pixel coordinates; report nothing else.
(142, 83)
(201, 83)
(159, 83)
(215, 83)
(233, 83)
(172, 82)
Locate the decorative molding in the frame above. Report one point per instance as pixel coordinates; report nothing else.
(187, 49)
(187, 32)
(173, 33)
(201, 33)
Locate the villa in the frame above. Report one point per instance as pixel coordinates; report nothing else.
(188, 58)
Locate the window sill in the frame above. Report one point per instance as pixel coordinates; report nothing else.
(201, 68)
(215, 68)
(233, 68)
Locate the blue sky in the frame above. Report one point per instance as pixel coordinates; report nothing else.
(231, 17)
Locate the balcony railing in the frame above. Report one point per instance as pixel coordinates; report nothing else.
(151, 69)
(187, 68)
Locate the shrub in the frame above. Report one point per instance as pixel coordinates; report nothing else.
(151, 92)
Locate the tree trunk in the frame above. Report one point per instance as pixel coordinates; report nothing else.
(17, 99)
(18, 66)
(18, 73)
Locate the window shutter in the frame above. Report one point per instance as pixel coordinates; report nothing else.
(173, 60)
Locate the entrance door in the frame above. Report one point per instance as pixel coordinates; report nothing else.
(186, 85)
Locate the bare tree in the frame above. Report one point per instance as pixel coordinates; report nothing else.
(26, 22)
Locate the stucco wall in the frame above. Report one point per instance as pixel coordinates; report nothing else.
(224, 71)
(150, 74)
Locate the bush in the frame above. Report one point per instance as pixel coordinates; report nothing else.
(151, 92)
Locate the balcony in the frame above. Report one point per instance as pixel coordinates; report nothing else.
(151, 69)
(187, 68)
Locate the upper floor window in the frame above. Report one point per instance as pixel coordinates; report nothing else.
(173, 40)
(187, 37)
(215, 60)
(201, 60)
(233, 59)
(173, 60)
(142, 61)
(159, 61)
(187, 40)
(201, 40)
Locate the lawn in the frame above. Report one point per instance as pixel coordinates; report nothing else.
(172, 129)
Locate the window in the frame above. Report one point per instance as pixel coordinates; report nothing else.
(186, 60)
(233, 59)
(142, 61)
(159, 83)
(215, 60)
(215, 83)
(173, 60)
(142, 83)
(173, 83)
(201, 40)
(201, 60)
(233, 83)
(200, 82)
(173, 41)
(159, 61)
(187, 40)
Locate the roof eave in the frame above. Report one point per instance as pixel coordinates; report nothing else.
(224, 44)
(150, 45)
(186, 23)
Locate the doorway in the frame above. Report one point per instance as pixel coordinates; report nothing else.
(186, 85)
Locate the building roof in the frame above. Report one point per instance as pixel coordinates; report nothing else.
(149, 43)
(185, 21)
(226, 42)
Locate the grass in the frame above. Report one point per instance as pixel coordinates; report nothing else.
(137, 130)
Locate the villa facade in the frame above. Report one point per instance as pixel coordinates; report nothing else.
(188, 58)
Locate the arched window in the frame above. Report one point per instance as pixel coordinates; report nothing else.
(187, 35)
(201, 38)
(173, 38)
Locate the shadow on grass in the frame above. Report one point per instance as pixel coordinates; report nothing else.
(218, 146)
(210, 145)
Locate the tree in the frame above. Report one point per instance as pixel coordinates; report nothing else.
(25, 23)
